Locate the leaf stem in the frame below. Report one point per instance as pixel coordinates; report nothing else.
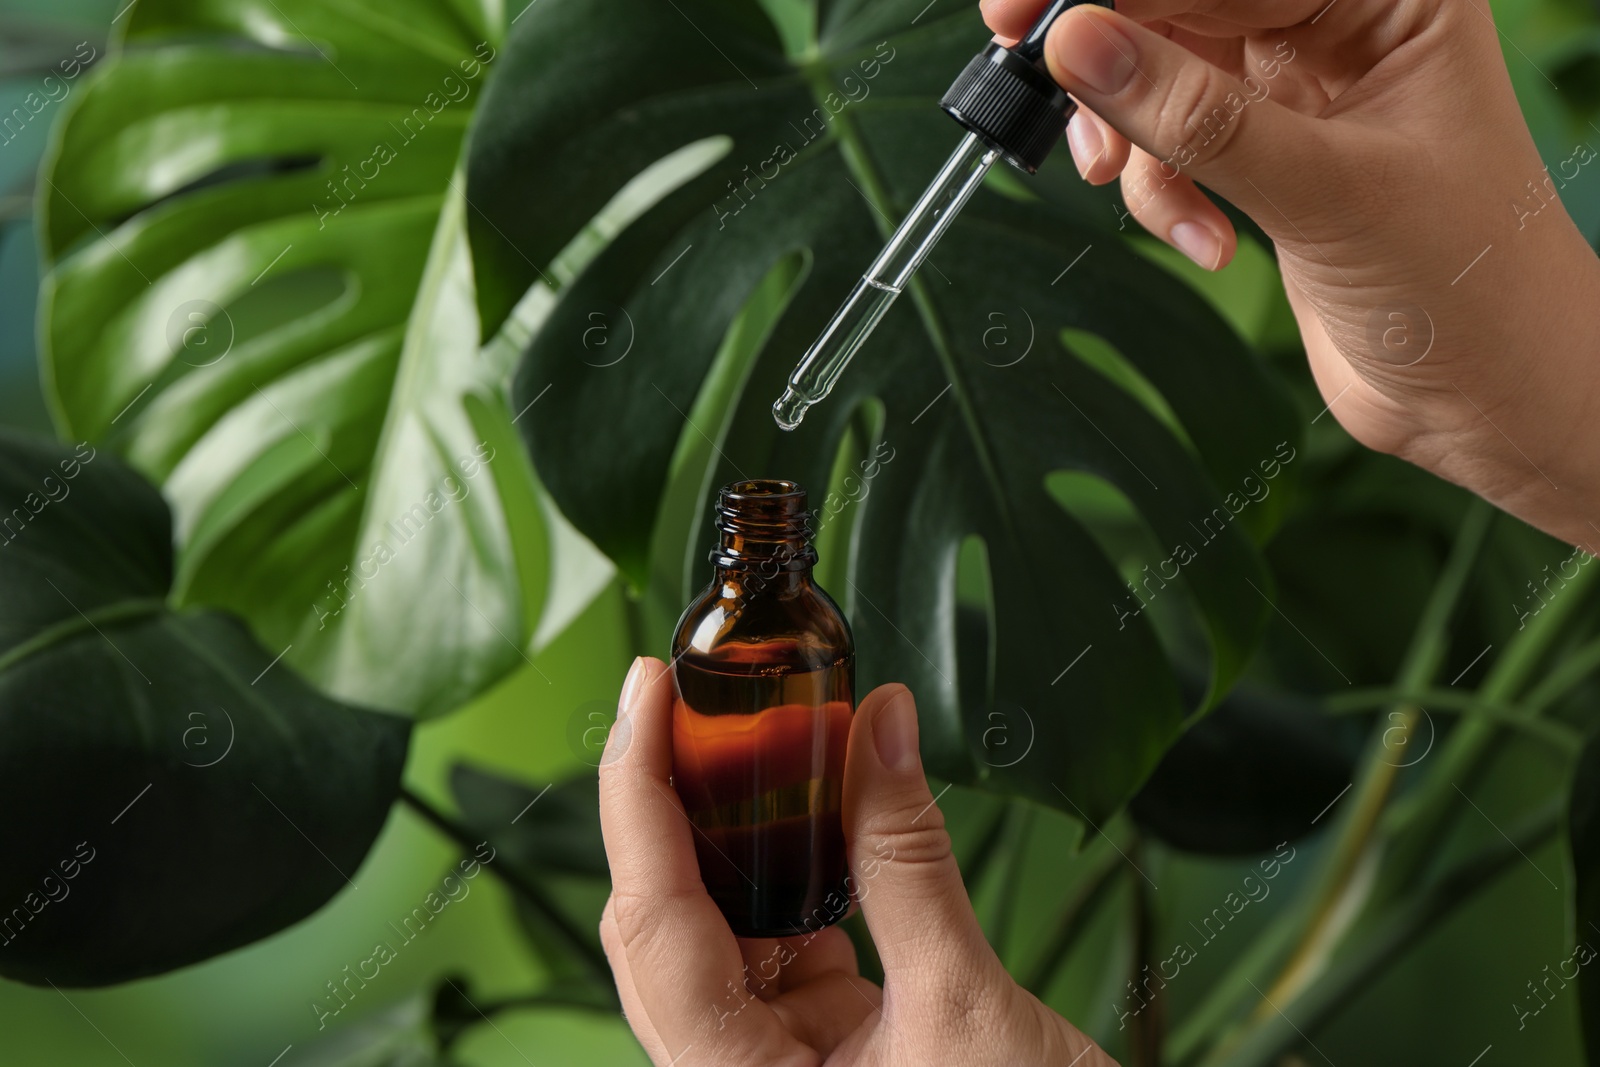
(1080, 908)
(1393, 935)
(1557, 735)
(1562, 678)
(454, 1012)
(1149, 1029)
(1334, 910)
(531, 893)
(1301, 937)
(988, 843)
(1018, 831)
(1425, 815)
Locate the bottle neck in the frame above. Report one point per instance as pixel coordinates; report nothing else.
(764, 536)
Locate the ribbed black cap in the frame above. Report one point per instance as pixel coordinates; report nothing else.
(1011, 104)
(1007, 97)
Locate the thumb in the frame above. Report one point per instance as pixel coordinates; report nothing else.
(902, 869)
(1193, 118)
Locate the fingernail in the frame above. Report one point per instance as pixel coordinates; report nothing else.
(617, 740)
(1198, 243)
(630, 688)
(894, 732)
(622, 730)
(1083, 137)
(1093, 49)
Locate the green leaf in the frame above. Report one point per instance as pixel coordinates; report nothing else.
(827, 146)
(1583, 843)
(260, 293)
(171, 790)
(1259, 771)
(553, 829)
(402, 1035)
(550, 836)
(457, 1007)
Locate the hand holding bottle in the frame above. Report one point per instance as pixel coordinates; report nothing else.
(696, 995)
(1445, 297)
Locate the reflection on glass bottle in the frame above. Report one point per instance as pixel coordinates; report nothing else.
(764, 668)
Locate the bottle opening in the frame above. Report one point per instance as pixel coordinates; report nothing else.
(763, 502)
(762, 489)
(764, 519)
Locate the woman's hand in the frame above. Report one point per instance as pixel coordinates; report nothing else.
(1447, 302)
(696, 995)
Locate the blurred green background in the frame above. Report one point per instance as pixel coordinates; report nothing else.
(1442, 1005)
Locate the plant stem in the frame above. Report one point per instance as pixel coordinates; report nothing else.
(1144, 1041)
(1423, 817)
(1426, 815)
(454, 1015)
(1563, 677)
(1354, 701)
(1333, 909)
(1019, 827)
(1397, 932)
(533, 895)
(1557, 735)
(973, 870)
(1080, 908)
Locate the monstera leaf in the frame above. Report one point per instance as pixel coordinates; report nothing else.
(1035, 342)
(172, 790)
(260, 293)
(1258, 772)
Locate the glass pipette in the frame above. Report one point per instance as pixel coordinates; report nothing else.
(1013, 110)
(885, 279)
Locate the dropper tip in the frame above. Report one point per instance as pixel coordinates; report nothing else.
(789, 409)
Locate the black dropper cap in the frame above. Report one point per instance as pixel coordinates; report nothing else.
(1007, 97)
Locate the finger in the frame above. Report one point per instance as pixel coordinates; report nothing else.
(828, 1009)
(828, 950)
(1099, 151)
(774, 965)
(1187, 114)
(1177, 212)
(1012, 18)
(1224, 53)
(632, 1009)
(684, 961)
(1227, 16)
(764, 960)
(902, 868)
(1250, 38)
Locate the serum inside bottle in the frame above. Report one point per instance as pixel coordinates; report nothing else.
(764, 670)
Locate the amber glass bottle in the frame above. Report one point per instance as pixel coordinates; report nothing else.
(765, 675)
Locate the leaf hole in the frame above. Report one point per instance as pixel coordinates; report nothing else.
(239, 170)
(696, 459)
(1155, 591)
